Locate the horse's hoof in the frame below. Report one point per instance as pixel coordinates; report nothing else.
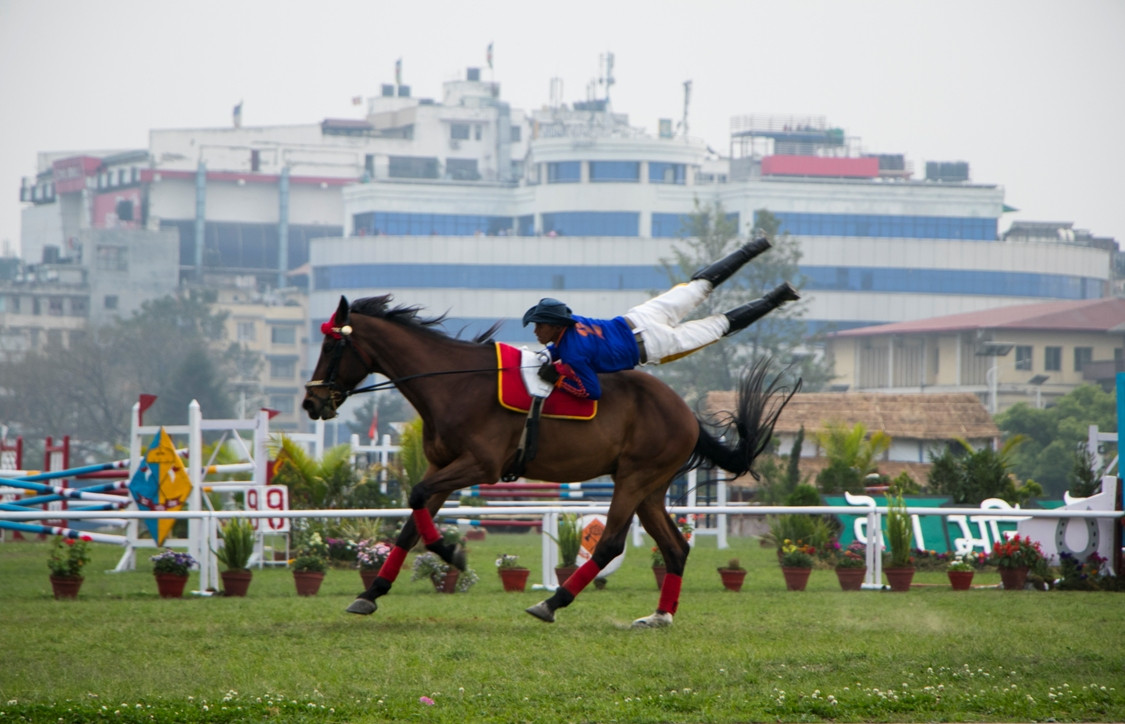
(542, 612)
(460, 559)
(363, 607)
(656, 620)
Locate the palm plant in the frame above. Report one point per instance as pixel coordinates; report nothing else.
(851, 454)
(315, 484)
(238, 544)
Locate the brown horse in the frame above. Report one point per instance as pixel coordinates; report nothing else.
(642, 436)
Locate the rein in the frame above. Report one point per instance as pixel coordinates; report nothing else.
(391, 383)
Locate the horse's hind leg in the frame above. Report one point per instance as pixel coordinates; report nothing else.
(655, 519)
(365, 604)
(609, 547)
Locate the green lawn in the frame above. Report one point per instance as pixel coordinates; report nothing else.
(120, 653)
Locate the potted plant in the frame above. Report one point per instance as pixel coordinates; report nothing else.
(900, 535)
(851, 566)
(569, 541)
(960, 571)
(238, 545)
(444, 577)
(68, 557)
(513, 576)
(370, 555)
(310, 564)
(796, 564)
(171, 572)
(1014, 558)
(732, 575)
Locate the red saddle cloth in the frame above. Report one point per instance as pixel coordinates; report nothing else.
(514, 395)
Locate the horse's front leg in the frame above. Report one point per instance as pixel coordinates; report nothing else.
(611, 544)
(426, 498)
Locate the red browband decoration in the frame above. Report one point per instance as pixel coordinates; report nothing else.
(329, 329)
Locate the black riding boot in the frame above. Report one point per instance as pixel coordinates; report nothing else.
(742, 317)
(722, 270)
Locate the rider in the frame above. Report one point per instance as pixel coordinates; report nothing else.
(650, 333)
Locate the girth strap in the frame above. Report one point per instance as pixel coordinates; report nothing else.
(529, 442)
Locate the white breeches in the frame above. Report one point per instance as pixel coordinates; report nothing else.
(658, 323)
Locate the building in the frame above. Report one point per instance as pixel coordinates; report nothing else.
(1031, 353)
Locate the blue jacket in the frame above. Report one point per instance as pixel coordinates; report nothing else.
(591, 346)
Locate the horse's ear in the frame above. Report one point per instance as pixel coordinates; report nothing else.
(341, 317)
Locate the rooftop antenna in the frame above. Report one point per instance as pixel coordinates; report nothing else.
(687, 102)
(556, 92)
(607, 78)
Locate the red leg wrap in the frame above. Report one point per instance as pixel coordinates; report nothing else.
(425, 525)
(670, 594)
(393, 564)
(587, 572)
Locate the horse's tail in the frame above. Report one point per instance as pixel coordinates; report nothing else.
(757, 408)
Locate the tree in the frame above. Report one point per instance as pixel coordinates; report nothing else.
(173, 348)
(970, 476)
(708, 234)
(1054, 433)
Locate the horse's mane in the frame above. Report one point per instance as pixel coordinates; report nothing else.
(410, 316)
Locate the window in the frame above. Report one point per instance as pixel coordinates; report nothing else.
(111, 258)
(247, 332)
(55, 307)
(282, 369)
(665, 173)
(255, 160)
(280, 334)
(1082, 357)
(459, 131)
(412, 167)
(462, 169)
(1052, 359)
(111, 301)
(514, 134)
(564, 172)
(1023, 357)
(476, 131)
(615, 172)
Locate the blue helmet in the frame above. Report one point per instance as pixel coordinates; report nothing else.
(549, 311)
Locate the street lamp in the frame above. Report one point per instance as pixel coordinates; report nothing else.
(1037, 382)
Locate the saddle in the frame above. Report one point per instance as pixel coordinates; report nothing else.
(517, 374)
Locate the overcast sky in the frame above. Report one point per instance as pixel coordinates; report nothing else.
(1029, 92)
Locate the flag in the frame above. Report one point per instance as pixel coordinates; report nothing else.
(356, 100)
(490, 56)
(398, 72)
(161, 483)
(237, 114)
(373, 431)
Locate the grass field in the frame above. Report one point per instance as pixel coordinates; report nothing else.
(119, 653)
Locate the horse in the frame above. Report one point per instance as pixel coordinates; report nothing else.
(643, 435)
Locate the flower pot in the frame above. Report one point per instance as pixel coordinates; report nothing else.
(659, 572)
(308, 582)
(235, 583)
(368, 575)
(796, 578)
(564, 572)
(170, 585)
(732, 579)
(960, 580)
(1014, 579)
(851, 579)
(475, 534)
(66, 586)
(899, 578)
(448, 582)
(514, 579)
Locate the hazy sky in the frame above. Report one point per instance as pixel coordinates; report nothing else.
(1029, 92)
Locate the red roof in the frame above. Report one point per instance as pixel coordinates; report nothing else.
(1087, 315)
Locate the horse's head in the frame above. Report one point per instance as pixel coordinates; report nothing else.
(340, 368)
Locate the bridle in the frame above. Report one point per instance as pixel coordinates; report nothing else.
(336, 395)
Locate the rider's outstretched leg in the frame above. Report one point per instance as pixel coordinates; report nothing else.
(721, 270)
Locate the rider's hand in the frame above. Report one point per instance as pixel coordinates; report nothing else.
(548, 373)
